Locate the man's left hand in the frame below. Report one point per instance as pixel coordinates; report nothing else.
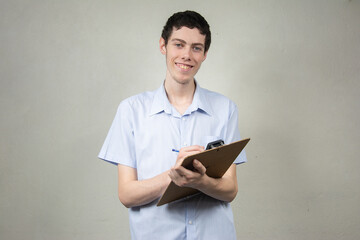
(186, 178)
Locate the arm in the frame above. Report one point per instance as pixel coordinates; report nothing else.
(224, 188)
(135, 193)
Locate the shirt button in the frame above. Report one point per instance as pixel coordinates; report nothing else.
(190, 222)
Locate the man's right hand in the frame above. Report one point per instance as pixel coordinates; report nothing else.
(187, 151)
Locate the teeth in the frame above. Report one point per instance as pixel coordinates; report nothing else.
(184, 66)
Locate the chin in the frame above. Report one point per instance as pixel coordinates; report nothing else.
(184, 81)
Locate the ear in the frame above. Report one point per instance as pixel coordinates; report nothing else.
(162, 46)
(205, 55)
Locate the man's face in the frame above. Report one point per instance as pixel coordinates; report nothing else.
(184, 54)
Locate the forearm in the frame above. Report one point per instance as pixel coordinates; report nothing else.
(136, 193)
(224, 189)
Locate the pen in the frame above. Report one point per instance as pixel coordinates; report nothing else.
(174, 150)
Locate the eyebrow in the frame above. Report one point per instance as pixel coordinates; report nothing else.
(182, 41)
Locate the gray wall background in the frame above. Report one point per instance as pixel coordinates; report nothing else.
(291, 66)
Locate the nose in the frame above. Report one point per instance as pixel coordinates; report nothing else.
(186, 54)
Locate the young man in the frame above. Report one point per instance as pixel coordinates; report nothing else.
(178, 115)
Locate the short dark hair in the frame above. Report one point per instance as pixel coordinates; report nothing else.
(188, 19)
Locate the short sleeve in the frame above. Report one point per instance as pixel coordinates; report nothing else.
(233, 133)
(119, 147)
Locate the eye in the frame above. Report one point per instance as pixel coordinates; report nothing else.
(178, 45)
(197, 49)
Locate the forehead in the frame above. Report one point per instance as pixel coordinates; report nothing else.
(189, 35)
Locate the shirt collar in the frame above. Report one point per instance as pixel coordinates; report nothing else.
(161, 102)
(200, 101)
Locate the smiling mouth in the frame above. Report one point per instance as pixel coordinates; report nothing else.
(184, 66)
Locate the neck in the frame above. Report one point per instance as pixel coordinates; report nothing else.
(180, 95)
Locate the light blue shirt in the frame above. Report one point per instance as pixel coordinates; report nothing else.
(145, 130)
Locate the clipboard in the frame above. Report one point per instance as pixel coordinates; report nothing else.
(216, 161)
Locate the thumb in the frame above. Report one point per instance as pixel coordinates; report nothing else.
(199, 167)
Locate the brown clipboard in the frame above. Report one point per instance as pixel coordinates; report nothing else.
(217, 161)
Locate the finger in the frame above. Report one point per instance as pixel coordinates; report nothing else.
(199, 167)
(178, 178)
(181, 171)
(179, 161)
(192, 148)
(186, 154)
(174, 175)
(187, 151)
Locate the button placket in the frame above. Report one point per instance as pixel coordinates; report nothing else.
(183, 140)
